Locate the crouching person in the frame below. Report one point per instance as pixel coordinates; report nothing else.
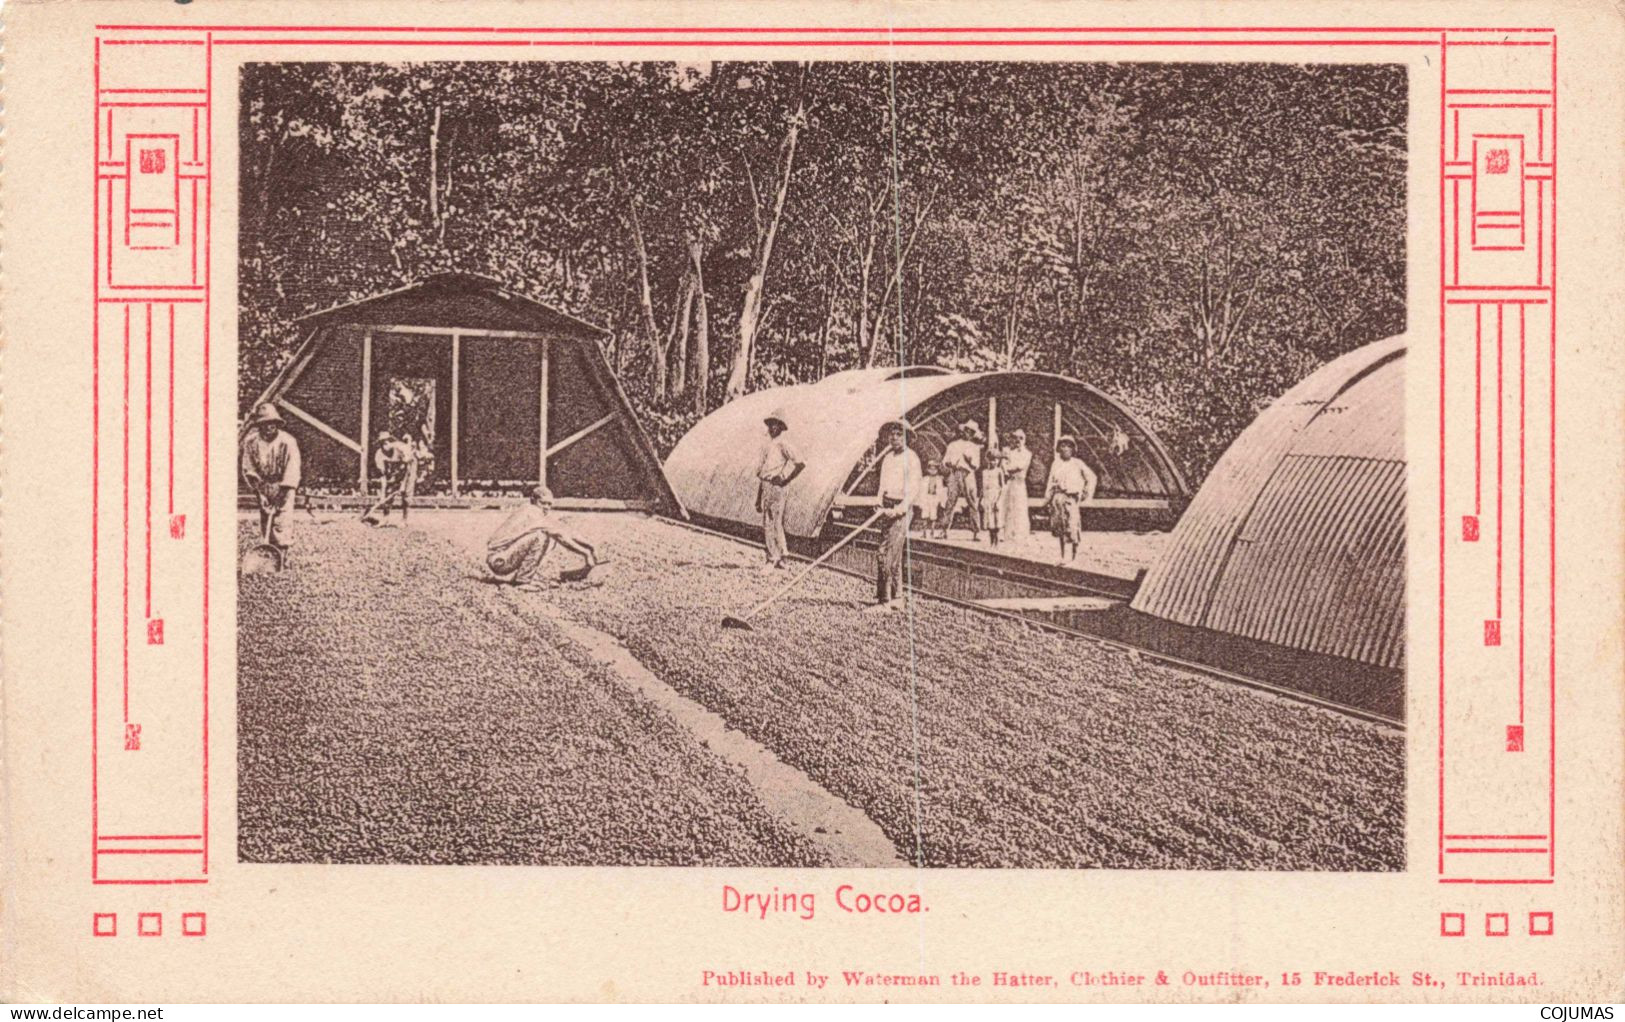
(516, 550)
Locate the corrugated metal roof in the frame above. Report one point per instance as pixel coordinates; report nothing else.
(1297, 537)
(834, 424)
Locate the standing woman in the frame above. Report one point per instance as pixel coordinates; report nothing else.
(1018, 461)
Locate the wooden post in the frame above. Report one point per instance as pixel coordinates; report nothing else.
(1055, 436)
(456, 402)
(993, 422)
(541, 416)
(366, 405)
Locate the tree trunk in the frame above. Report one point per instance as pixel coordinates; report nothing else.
(677, 341)
(434, 168)
(1011, 321)
(865, 341)
(824, 328)
(657, 354)
(750, 313)
(702, 331)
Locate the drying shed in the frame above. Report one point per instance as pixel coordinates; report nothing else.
(835, 424)
(501, 389)
(1297, 537)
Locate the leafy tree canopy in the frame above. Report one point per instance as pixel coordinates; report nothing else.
(1192, 238)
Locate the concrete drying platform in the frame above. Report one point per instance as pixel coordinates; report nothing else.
(1049, 604)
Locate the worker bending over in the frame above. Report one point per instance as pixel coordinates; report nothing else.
(516, 550)
(397, 463)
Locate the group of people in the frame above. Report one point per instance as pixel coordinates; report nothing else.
(988, 480)
(515, 552)
(990, 483)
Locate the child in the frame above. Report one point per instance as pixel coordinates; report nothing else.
(929, 500)
(992, 492)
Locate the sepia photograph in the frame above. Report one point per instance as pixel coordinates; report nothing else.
(948, 464)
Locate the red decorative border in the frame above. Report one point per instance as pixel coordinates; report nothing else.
(1494, 97)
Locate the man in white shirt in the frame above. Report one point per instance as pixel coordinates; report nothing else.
(271, 467)
(900, 475)
(960, 464)
(779, 465)
(1071, 482)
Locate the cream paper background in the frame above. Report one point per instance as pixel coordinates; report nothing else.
(278, 932)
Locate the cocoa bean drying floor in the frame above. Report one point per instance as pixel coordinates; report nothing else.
(393, 708)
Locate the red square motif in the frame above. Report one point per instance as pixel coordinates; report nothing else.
(1452, 924)
(1514, 737)
(1496, 924)
(1492, 633)
(193, 924)
(1469, 528)
(105, 924)
(1497, 161)
(150, 924)
(1540, 924)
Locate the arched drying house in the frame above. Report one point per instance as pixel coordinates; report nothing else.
(835, 424)
(1297, 537)
(501, 389)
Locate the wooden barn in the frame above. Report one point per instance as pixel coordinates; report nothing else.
(497, 390)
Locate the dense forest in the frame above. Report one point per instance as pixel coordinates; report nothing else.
(1190, 238)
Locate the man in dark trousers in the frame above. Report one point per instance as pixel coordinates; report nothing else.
(900, 476)
(961, 463)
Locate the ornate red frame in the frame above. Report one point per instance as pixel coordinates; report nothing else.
(152, 292)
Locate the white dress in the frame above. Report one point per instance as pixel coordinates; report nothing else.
(1017, 523)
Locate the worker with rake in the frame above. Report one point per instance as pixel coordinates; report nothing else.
(900, 476)
(270, 466)
(516, 550)
(1071, 482)
(777, 469)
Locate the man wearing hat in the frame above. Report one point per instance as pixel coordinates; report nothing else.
(960, 463)
(778, 467)
(1071, 482)
(270, 465)
(516, 550)
(899, 486)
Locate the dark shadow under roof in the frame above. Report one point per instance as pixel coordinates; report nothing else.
(449, 300)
